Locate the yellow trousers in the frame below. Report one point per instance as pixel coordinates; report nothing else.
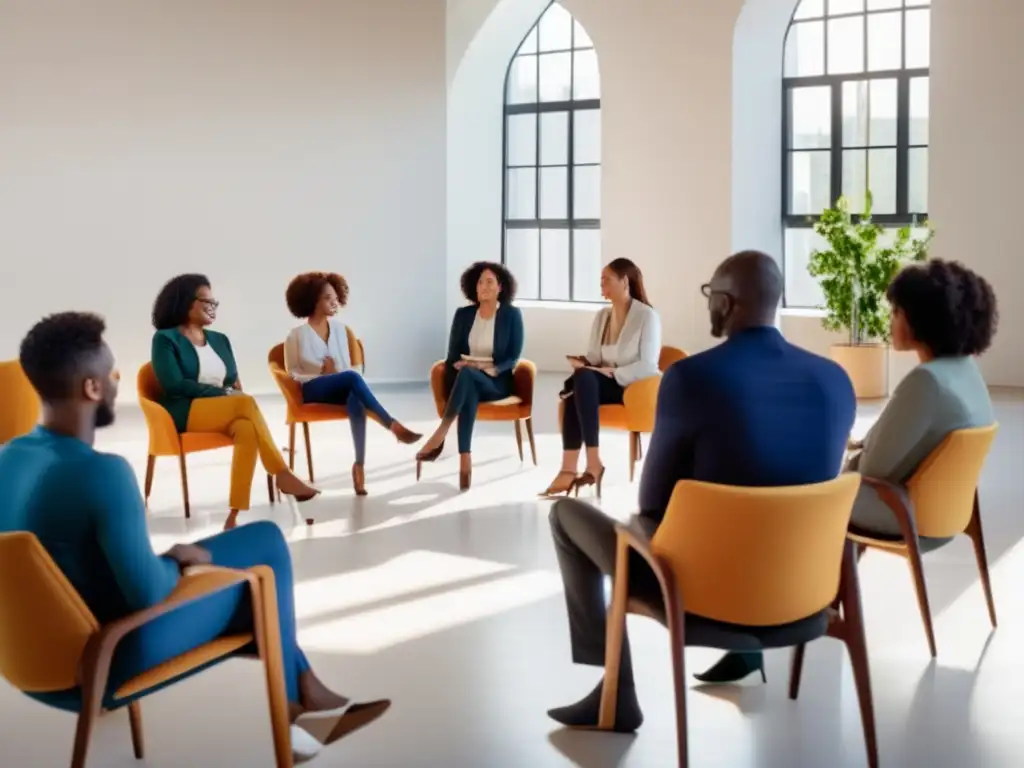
(239, 417)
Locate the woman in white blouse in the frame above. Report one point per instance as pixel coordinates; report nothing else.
(624, 346)
(316, 354)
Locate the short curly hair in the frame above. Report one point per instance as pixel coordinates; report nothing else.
(60, 349)
(175, 299)
(505, 279)
(949, 308)
(304, 291)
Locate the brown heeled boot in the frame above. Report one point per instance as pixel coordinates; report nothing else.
(465, 471)
(358, 479)
(405, 435)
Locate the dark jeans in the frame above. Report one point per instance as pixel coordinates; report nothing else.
(470, 388)
(585, 544)
(590, 390)
(350, 389)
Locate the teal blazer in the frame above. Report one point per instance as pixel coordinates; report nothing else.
(176, 366)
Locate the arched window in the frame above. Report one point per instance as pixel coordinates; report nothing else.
(855, 119)
(552, 162)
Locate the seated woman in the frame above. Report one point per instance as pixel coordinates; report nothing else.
(316, 354)
(484, 345)
(201, 390)
(624, 346)
(97, 535)
(946, 314)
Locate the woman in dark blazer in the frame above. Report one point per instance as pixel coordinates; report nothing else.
(484, 346)
(198, 375)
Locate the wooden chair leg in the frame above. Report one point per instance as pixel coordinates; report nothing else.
(632, 453)
(270, 487)
(519, 439)
(268, 644)
(677, 643)
(529, 436)
(796, 668)
(615, 634)
(291, 447)
(917, 571)
(639, 447)
(150, 467)
(95, 668)
(978, 540)
(184, 483)
(135, 721)
(309, 449)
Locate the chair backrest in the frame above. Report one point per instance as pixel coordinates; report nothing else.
(943, 487)
(19, 406)
(757, 556)
(147, 384)
(668, 356)
(290, 388)
(44, 623)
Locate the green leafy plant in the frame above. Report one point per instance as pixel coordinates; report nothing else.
(856, 269)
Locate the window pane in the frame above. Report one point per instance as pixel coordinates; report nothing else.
(555, 29)
(580, 38)
(586, 82)
(882, 179)
(835, 7)
(880, 5)
(554, 138)
(587, 192)
(855, 172)
(555, 76)
(522, 256)
(522, 80)
(918, 39)
(855, 113)
(869, 113)
(846, 45)
(554, 193)
(809, 182)
(529, 43)
(587, 138)
(912, 3)
(917, 181)
(810, 118)
(802, 290)
(885, 35)
(586, 265)
(810, 9)
(919, 110)
(520, 196)
(554, 264)
(521, 138)
(805, 49)
(882, 131)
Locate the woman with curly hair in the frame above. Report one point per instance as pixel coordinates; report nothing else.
(197, 372)
(316, 354)
(484, 345)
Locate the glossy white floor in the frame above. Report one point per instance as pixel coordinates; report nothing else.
(451, 605)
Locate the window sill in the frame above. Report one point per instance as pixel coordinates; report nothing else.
(802, 312)
(576, 306)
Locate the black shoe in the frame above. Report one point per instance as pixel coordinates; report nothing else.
(585, 712)
(733, 667)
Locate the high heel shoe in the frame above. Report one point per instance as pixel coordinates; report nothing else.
(733, 667)
(465, 479)
(427, 456)
(358, 479)
(553, 490)
(588, 478)
(405, 435)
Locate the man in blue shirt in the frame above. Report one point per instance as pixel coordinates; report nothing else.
(754, 411)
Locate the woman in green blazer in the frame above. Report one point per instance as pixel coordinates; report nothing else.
(201, 390)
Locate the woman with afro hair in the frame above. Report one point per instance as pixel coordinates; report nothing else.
(946, 314)
(316, 354)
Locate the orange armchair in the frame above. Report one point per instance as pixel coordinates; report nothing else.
(940, 501)
(19, 410)
(518, 408)
(51, 642)
(307, 413)
(164, 439)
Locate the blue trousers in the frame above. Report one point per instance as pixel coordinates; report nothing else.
(227, 612)
(470, 388)
(350, 389)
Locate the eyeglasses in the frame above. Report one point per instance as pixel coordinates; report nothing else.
(211, 303)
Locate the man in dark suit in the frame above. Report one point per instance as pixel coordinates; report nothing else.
(753, 411)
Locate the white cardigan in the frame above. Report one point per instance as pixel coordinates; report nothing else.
(639, 345)
(304, 350)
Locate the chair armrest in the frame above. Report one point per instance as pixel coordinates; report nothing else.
(524, 375)
(896, 498)
(163, 435)
(641, 401)
(437, 386)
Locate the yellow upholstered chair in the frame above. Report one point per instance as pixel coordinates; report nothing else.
(939, 501)
(307, 413)
(50, 642)
(746, 569)
(19, 405)
(164, 439)
(517, 408)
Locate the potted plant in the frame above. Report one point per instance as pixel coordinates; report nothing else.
(854, 272)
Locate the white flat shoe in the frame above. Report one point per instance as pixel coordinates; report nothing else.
(304, 746)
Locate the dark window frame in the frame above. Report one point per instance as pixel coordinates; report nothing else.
(571, 107)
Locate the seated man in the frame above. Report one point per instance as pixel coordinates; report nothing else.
(86, 510)
(754, 411)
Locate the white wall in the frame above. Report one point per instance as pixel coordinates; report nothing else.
(247, 140)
